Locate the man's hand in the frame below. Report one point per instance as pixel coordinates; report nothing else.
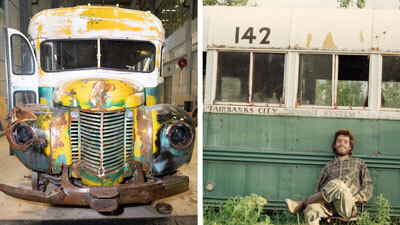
(357, 198)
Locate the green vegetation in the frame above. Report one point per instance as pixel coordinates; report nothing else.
(351, 3)
(248, 210)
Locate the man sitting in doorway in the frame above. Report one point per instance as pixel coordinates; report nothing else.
(343, 182)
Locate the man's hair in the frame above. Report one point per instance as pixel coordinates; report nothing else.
(346, 133)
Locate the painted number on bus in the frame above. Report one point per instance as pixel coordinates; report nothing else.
(249, 35)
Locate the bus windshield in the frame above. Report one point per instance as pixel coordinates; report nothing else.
(61, 55)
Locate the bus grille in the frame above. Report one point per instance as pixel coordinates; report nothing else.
(102, 141)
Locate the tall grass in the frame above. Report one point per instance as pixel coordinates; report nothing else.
(247, 210)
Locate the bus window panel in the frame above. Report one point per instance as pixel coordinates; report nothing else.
(69, 54)
(233, 77)
(268, 77)
(22, 58)
(352, 88)
(138, 56)
(315, 81)
(390, 82)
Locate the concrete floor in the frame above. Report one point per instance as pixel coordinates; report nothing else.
(12, 172)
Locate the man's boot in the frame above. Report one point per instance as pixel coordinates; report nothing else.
(297, 206)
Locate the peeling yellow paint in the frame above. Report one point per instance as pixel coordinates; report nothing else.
(113, 13)
(46, 126)
(138, 141)
(135, 100)
(144, 131)
(158, 56)
(87, 91)
(55, 23)
(150, 100)
(309, 38)
(43, 101)
(65, 30)
(93, 24)
(361, 37)
(63, 137)
(329, 43)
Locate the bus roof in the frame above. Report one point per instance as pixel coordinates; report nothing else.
(94, 22)
(348, 30)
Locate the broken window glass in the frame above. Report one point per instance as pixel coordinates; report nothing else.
(390, 82)
(352, 87)
(315, 81)
(268, 70)
(233, 77)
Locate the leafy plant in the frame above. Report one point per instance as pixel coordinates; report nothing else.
(382, 216)
(238, 211)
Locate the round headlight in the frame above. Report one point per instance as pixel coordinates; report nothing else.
(180, 135)
(22, 134)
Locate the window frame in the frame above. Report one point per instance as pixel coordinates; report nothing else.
(251, 75)
(380, 108)
(335, 81)
(98, 44)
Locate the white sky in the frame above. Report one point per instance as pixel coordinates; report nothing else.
(370, 4)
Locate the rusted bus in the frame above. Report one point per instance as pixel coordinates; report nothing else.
(99, 122)
(277, 90)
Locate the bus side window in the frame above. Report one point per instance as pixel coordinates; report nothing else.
(268, 73)
(233, 77)
(390, 82)
(315, 81)
(352, 88)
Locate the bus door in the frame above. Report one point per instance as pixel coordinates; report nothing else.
(21, 70)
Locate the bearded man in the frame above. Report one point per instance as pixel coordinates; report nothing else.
(343, 182)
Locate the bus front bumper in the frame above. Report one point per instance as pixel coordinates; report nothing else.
(104, 199)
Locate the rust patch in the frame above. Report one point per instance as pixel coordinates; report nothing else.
(58, 121)
(68, 194)
(329, 43)
(145, 123)
(100, 93)
(18, 113)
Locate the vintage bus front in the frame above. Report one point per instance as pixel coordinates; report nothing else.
(99, 131)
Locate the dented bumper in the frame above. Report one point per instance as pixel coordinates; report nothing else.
(104, 199)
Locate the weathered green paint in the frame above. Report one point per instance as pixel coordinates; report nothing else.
(34, 160)
(110, 179)
(154, 94)
(47, 94)
(281, 157)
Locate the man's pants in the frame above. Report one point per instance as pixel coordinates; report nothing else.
(340, 198)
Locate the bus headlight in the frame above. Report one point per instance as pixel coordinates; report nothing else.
(180, 135)
(20, 135)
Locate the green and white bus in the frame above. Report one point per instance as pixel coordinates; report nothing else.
(279, 82)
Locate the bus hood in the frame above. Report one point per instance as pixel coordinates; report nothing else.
(99, 94)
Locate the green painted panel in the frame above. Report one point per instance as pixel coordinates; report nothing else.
(281, 157)
(302, 134)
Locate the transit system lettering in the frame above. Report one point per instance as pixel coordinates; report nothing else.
(249, 35)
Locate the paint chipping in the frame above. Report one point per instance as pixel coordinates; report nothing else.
(329, 43)
(361, 37)
(309, 38)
